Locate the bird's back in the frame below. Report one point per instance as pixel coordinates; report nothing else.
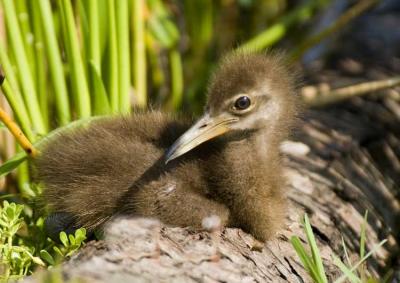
(85, 171)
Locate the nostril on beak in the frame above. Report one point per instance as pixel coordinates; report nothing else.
(203, 126)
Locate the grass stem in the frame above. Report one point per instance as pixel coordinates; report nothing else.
(24, 73)
(139, 53)
(113, 74)
(176, 80)
(77, 72)
(122, 12)
(94, 35)
(55, 63)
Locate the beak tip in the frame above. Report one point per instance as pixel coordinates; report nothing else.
(169, 155)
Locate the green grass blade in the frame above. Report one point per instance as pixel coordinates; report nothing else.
(24, 73)
(103, 27)
(160, 25)
(112, 67)
(83, 35)
(376, 247)
(267, 38)
(8, 69)
(346, 271)
(345, 252)
(100, 102)
(23, 179)
(159, 33)
(305, 258)
(200, 22)
(278, 30)
(157, 75)
(77, 73)
(55, 63)
(94, 35)
(12, 163)
(314, 249)
(11, 91)
(122, 12)
(18, 107)
(41, 76)
(176, 79)
(139, 53)
(24, 20)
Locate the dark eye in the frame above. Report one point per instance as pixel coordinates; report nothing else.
(242, 103)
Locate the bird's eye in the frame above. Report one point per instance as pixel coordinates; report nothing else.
(242, 103)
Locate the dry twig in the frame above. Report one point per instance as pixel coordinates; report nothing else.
(15, 130)
(320, 98)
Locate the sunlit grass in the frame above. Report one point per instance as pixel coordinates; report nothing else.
(353, 272)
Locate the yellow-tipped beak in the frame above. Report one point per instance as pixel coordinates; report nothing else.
(205, 129)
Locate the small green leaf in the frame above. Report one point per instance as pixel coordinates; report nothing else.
(38, 261)
(10, 211)
(12, 163)
(57, 250)
(47, 257)
(80, 235)
(71, 240)
(64, 239)
(18, 209)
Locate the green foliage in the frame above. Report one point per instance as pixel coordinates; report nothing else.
(71, 243)
(19, 254)
(355, 273)
(312, 263)
(16, 258)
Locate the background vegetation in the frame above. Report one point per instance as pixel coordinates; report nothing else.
(69, 60)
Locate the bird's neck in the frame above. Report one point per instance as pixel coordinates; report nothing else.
(247, 178)
(256, 152)
(253, 163)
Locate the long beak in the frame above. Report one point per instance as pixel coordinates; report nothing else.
(205, 129)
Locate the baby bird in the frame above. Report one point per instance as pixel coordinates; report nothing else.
(151, 164)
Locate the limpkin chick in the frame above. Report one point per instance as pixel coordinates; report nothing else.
(226, 164)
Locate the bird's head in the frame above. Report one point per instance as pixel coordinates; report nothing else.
(248, 92)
